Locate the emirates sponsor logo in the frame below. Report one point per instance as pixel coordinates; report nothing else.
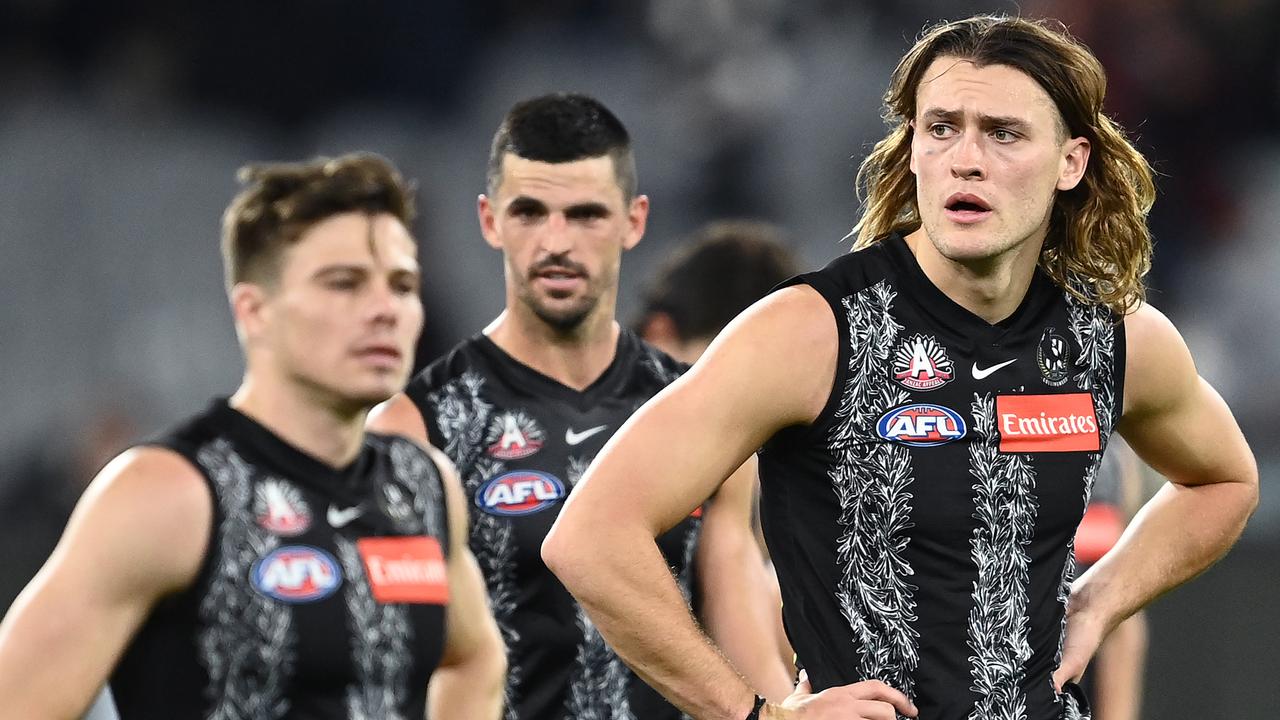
(1047, 423)
(405, 569)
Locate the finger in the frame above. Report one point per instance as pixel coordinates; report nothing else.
(877, 690)
(876, 710)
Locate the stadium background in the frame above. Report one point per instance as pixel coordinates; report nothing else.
(122, 124)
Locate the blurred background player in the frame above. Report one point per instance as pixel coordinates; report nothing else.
(1114, 680)
(523, 407)
(268, 557)
(724, 267)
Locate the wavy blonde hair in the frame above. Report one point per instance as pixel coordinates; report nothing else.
(1098, 246)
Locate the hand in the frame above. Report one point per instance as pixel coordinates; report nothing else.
(1084, 635)
(867, 700)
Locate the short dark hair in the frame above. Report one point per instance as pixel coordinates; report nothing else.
(725, 267)
(282, 200)
(563, 127)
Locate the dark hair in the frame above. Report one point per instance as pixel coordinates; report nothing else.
(283, 200)
(725, 267)
(1098, 247)
(563, 127)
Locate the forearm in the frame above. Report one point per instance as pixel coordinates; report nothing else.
(1176, 536)
(468, 690)
(623, 583)
(739, 614)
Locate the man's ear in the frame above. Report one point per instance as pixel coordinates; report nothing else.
(1075, 160)
(659, 330)
(249, 309)
(638, 218)
(486, 212)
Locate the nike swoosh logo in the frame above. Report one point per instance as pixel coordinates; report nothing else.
(339, 518)
(982, 373)
(573, 438)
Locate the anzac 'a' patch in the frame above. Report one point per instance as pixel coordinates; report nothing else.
(280, 508)
(513, 435)
(921, 363)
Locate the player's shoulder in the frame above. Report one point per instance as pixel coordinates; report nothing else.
(1158, 364)
(462, 359)
(852, 272)
(156, 486)
(651, 360)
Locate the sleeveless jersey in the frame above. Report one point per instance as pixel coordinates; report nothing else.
(922, 526)
(520, 441)
(322, 593)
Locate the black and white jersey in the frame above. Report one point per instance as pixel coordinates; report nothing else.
(520, 441)
(922, 526)
(322, 593)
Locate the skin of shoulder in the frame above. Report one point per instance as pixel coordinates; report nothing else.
(140, 533)
(1173, 419)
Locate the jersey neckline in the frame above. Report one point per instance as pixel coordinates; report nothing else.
(291, 461)
(520, 375)
(950, 314)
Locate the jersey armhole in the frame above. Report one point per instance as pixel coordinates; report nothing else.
(834, 296)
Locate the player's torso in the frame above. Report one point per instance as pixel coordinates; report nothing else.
(323, 592)
(521, 442)
(943, 486)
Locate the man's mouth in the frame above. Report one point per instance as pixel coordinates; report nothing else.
(967, 208)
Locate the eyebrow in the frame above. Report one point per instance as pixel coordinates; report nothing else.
(986, 122)
(583, 209)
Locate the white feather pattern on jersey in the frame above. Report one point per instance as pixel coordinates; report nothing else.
(380, 637)
(1005, 509)
(247, 640)
(412, 467)
(463, 416)
(870, 481)
(1094, 333)
(599, 684)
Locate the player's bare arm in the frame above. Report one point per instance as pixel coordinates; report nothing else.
(119, 554)
(772, 367)
(468, 683)
(735, 608)
(1176, 422)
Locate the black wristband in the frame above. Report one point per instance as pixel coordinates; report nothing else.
(755, 709)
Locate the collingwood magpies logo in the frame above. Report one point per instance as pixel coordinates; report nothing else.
(1053, 356)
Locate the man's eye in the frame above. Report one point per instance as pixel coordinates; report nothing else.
(940, 130)
(1002, 135)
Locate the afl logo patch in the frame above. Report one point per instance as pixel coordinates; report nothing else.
(1053, 356)
(523, 492)
(921, 363)
(514, 435)
(921, 425)
(296, 574)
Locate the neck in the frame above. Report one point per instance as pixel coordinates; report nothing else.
(575, 358)
(991, 288)
(303, 418)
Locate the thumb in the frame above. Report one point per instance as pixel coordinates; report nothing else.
(1069, 671)
(802, 685)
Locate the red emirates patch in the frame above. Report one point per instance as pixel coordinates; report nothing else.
(1047, 423)
(405, 569)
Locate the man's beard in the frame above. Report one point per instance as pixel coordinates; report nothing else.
(563, 319)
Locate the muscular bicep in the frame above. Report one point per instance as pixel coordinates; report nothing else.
(771, 368)
(139, 533)
(1173, 418)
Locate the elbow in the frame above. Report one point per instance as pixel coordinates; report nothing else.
(559, 551)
